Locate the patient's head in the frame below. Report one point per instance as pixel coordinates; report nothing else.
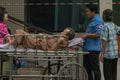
(69, 32)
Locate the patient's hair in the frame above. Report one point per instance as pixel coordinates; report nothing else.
(71, 33)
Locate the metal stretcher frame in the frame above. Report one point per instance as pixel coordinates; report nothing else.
(41, 54)
(37, 53)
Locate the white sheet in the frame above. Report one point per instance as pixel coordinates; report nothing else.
(75, 41)
(11, 51)
(4, 46)
(72, 42)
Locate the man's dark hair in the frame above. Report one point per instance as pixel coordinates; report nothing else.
(71, 33)
(93, 8)
(108, 15)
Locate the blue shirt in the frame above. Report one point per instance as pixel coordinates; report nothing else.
(95, 26)
(109, 35)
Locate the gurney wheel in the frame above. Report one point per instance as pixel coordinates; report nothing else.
(54, 70)
(75, 72)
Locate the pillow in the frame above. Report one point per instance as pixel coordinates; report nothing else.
(75, 41)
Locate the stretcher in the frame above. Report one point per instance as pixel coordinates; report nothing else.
(71, 51)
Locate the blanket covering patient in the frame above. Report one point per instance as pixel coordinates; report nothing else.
(43, 42)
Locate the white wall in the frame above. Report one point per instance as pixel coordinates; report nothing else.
(105, 4)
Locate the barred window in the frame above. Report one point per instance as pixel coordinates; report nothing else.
(55, 15)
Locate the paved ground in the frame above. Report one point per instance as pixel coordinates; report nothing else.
(118, 77)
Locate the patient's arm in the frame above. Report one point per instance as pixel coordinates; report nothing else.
(61, 43)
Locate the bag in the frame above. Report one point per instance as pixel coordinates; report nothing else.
(19, 63)
(118, 40)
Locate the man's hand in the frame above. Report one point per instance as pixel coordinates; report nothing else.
(101, 56)
(8, 40)
(83, 36)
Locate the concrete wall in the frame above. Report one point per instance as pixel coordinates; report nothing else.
(14, 8)
(107, 4)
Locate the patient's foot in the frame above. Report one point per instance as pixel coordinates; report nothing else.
(11, 42)
(14, 43)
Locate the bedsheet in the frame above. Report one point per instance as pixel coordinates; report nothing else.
(6, 48)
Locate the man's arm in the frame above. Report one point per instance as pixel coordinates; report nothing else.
(94, 35)
(63, 42)
(103, 51)
(8, 40)
(103, 46)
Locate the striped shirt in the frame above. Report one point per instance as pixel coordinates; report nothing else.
(109, 35)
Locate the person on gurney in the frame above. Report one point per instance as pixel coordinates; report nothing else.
(43, 43)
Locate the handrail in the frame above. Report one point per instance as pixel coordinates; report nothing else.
(19, 22)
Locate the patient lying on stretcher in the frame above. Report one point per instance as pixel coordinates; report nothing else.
(45, 43)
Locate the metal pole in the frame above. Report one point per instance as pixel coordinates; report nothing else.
(56, 14)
